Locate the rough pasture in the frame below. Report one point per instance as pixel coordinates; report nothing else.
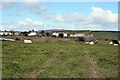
(59, 58)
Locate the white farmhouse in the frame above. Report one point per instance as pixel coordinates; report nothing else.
(55, 34)
(17, 34)
(65, 35)
(6, 33)
(27, 41)
(10, 33)
(1, 33)
(71, 35)
(32, 34)
(79, 35)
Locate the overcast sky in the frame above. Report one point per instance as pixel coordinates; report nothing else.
(58, 15)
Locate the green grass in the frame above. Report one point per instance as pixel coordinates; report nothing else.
(59, 58)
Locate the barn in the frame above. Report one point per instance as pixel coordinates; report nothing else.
(59, 34)
(55, 34)
(79, 35)
(32, 34)
(1, 33)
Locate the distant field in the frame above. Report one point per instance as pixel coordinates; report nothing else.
(102, 35)
(59, 58)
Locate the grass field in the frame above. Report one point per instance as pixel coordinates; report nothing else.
(59, 58)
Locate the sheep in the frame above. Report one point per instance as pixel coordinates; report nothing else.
(96, 41)
(27, 41)
(115, 44)
(87, 42)
(111, 42)
(91, 43)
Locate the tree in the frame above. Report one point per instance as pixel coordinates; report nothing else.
(33, 30)
(47, 34)
(81, 39)
(43, 33)
(29, 31)
(25, 33)
(61, 35)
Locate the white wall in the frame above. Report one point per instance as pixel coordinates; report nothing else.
(32, 34)
(65, 35)
(55, 34)
(1, 33)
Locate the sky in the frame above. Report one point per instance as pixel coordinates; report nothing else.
(59, 15)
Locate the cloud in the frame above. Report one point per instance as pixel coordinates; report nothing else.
(53, 17)
(7, 27)
(97, 19)
(26, 24)
(100, 16)
(67, 18)
(30, 22)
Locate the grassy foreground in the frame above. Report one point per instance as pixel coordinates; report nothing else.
(59, 58)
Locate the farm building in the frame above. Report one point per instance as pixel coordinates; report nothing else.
(4, 33)
(91, 38)
(62, 34)
(32, 34)
(1, 33)
(55, 34)
(79, 35)
(11, 33)
(71, 35)
(17, 33)
(59, 34)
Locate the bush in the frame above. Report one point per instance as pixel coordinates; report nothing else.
(81, 39)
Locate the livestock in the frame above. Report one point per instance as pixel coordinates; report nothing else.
(91, 43)
(111, 42)
(17, 39)
(116, 41)
(27, 41)
(115, 44)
